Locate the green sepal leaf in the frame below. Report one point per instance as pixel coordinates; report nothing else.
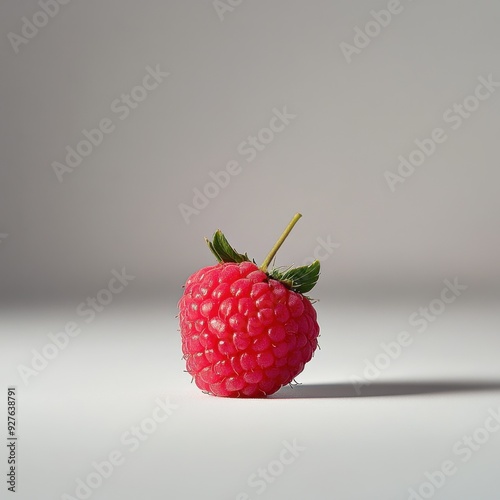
(223, 251)
(299, 279)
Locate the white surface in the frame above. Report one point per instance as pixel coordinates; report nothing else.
(371, 447)
(120, 206)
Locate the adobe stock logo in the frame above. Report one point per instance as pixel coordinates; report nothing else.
(40, 19)
(265, 476)
(130, 440)
(372, 29)
(248, 149)
(464, 448)
(322, 251)
(420, 320)
(454, 116)
(122, 106)
(223, 6)
(89, 310)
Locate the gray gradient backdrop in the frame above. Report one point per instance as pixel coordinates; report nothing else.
(120, 205)
(232, 66)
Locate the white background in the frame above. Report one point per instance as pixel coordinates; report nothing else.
(377, 445)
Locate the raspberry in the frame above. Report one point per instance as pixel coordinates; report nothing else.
(247, 332)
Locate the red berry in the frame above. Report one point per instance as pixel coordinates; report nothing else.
(246, 332)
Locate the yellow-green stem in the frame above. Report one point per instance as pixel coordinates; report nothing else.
(280, 241)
